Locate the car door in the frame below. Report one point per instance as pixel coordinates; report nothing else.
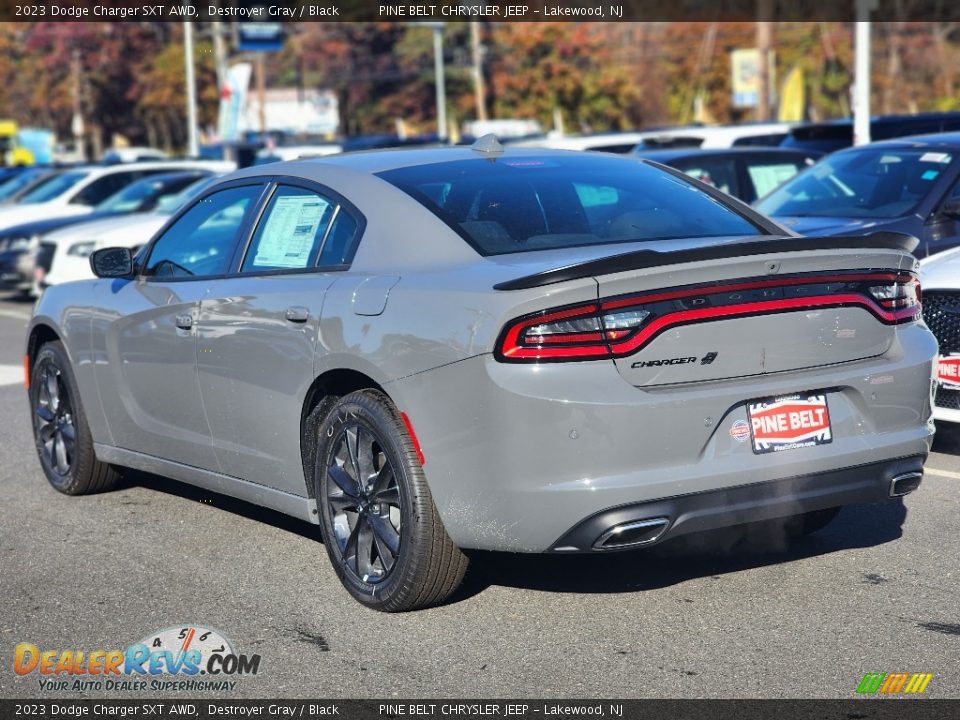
(146, 330)
(258, 334)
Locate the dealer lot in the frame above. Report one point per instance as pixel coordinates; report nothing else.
(680, 620)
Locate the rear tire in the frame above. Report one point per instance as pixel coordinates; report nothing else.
(380, 526)
(60, 430)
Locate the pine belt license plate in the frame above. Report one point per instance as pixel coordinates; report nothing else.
(948, 371)
(789, 422)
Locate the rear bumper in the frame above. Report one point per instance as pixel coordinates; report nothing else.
(739, 505)
(518, 455)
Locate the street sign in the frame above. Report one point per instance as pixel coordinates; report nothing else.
(745, 81)
(260, 36)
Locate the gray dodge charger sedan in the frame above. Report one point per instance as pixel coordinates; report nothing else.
(430, 351)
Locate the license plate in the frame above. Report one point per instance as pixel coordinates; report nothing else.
(948, 371)
(789, 422)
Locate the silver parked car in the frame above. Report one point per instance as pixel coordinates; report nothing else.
(523, 350)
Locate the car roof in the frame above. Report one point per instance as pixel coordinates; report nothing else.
(677, 153)
(175, 175)
(370, 162)
(934, 140)
(172, 165)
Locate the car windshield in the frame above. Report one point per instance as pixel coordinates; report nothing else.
(169, 205)
(54, 187)
(870, 182)
(517, 204)
(18, 181)
(141, 195)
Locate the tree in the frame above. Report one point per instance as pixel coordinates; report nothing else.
(542, 67)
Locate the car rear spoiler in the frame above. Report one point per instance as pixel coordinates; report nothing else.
(641, 259)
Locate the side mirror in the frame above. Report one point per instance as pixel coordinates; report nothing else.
(112, 262)
(951, 208)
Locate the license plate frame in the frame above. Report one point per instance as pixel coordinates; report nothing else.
(789, 422)
(948, 371)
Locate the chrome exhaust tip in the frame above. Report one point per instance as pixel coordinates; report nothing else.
(632, 534)
(905, 484)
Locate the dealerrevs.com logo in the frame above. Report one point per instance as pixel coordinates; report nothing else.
(188, 658)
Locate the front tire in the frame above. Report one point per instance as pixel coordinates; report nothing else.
(381, 529)
(60, 430)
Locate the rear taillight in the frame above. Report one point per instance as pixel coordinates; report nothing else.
(898, 294)
(620, 326)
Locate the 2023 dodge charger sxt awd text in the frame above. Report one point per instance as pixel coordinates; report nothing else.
(523, 350)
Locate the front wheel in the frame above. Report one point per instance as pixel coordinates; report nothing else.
(380, 526)
(63, 440)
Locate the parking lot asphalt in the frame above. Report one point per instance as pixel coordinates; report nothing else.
(720, 615)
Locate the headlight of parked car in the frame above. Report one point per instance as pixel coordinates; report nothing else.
(82, 249)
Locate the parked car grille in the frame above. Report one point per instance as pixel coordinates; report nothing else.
(941, 312)
(44, 257)
(947, 399)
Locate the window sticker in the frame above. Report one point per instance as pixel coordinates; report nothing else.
(937, 157)
(288, 236)
(767, 177)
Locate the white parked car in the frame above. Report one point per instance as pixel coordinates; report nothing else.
(691, 136)
(295, 152)
(77, 190)
(132, 154)
(67, 250)
(615, 142)
(718, 136)
(940, 280)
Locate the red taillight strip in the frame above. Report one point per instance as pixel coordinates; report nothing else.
(766, 307)
(512, 338)
(510, 349)
(755, 285)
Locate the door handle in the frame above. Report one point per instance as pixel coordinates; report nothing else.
(297, 314)
(184, 322)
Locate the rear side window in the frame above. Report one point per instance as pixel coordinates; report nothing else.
(508, 205)
(342, 241)
(202, 240)
(291, 232)
(720, 172)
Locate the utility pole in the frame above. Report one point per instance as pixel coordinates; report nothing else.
(219, 53)
(260, 68)
(476, 52)
(76, 125)
(220, 58)
(440, 80)
(764, 28)
(861, 73)
(193, 148)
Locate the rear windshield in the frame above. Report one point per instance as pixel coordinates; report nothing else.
(507, 205)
